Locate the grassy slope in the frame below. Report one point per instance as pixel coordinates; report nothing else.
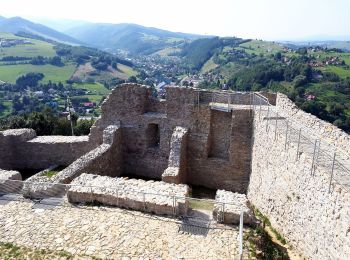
(208, 66)
(260, 47)
(27, 50)
(94, 88)
(126, 70)
(7, 110)
(341, 71)
(10, 73)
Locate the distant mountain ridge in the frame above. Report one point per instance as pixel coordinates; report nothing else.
(132, 37)
(18, 24)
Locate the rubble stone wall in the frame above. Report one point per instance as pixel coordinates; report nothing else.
(22, 149)
(149, 196)
(230, 173)
(298, 204)
(177, 165)
(136, 109)
(106, 159)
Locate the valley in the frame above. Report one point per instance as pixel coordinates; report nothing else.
(315, 77)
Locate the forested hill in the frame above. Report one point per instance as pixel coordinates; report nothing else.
(316, 78)
(134, 38)
(18, 24)
(197, 52)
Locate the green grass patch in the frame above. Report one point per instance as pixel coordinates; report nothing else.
(261, 246)
(27, 50)
(208, 66)
(128, 71)
(266, 222)
(201, 204)
(260, 47)
(10, 251)
(167, 51)
(54, 171)
(94, 88)
(7, 110)
(340, 71)
(10, 73)
(92, 98)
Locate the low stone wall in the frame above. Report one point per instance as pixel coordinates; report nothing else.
(176, 171)
(228, 207)
(106, 159)
(298, 203)
(10, 140)
(149, 196)
(10, 181)
(22, 149)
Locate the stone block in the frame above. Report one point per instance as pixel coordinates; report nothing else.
(228, 207)
(148, 196)
(10, 182)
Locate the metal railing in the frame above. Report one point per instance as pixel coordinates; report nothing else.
(40, 191)
(240, 237)
(323, 154)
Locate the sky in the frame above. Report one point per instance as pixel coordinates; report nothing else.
(257, 19)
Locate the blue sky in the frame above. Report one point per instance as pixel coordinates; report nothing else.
(261, 19)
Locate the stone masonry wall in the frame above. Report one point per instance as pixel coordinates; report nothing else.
(297, 203)
(327, 131)
(133, 106)
(106, 159)
(10, 142)
(177, 165)
(22, 149)
(231, 173)
(149, 196)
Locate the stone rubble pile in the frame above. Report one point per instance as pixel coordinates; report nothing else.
(228, 207)
(149, 196)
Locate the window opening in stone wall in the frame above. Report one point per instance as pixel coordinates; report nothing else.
(153, 135)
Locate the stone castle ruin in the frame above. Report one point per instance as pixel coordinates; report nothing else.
(146, 154)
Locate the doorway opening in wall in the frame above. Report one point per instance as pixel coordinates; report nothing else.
(153, 136)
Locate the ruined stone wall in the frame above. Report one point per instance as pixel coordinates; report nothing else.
(106, 159)
(177, 164)
(297, 203)
(22, 149)
(149, 196)
(229, 172)
(327, 131)
(220, 133)
(208, 130)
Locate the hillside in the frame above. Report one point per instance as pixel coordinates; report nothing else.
(316, 78)
(18, 24)
(30, 66)
(131, 37)
(342, 45)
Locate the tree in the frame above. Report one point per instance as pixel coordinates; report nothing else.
(56, 61)
(132, 79)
